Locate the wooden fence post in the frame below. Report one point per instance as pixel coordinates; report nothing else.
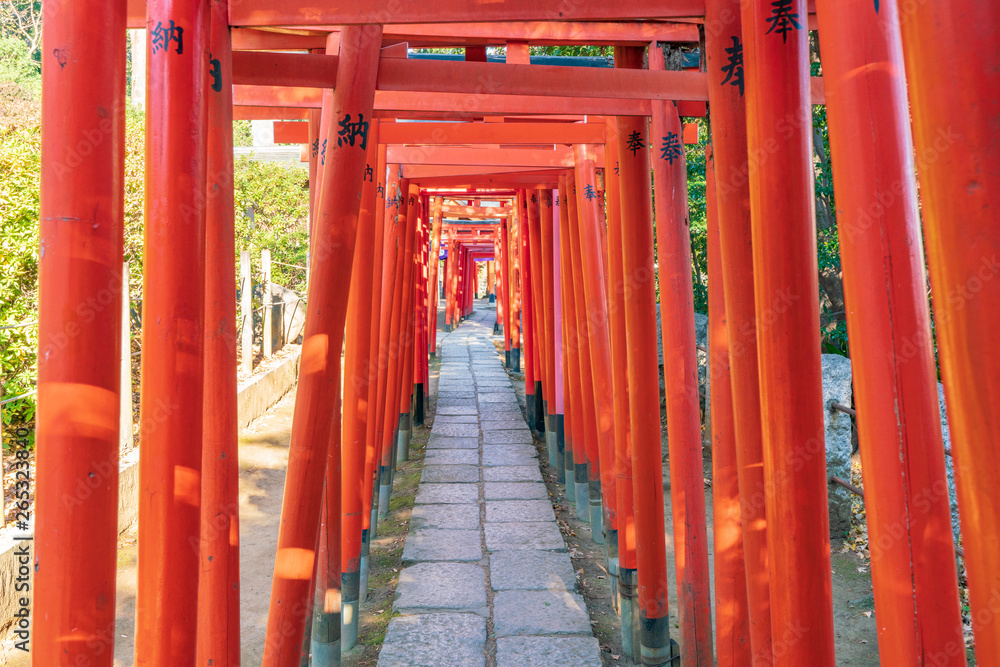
(125, 438)
(246, 344)
(265, 268)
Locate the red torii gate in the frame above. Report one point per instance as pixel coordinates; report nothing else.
(762, 185)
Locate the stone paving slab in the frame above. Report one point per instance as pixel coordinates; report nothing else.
(456, 407)
(529, 473)
(497, 397)
(511, 491)
(549, 651)
(451, 410)
(432, 640)
(506, 391)
(518, 437)
(462, 517)
(442, 594)
(447, 493)
(506, 511)
(532, 571)
(509, 455)
(511, 407)
(425, 544)
(456, 395)
(449, 474)
(441, 586)
(456, 419)
(496, 411)
(443, 442)
(523, 535)
(539, 613)
(457, 381)
(455, 430)
(504, 424)
(452, 457)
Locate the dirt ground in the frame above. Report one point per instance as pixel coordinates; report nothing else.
(853, 604)
(263, 459)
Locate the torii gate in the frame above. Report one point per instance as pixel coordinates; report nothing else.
(772, 543)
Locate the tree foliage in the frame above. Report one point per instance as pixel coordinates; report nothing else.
(274, 192)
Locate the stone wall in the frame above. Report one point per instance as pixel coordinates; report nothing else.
(837, 388)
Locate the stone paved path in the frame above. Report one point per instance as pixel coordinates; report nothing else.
(486, 577)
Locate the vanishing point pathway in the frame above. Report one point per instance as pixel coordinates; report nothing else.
(486, 579)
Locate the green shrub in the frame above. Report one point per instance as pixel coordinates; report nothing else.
(277, 194)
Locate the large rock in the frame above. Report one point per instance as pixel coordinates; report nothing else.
(288, 316)
(949, 466)
(837, 389)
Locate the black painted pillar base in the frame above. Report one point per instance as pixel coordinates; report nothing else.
(657, 647)
(540, 410)
(529, 410)
(350, 588)
(560, 435)
(418, 404)
(515, 359)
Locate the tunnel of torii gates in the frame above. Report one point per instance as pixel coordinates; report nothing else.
(547, 170)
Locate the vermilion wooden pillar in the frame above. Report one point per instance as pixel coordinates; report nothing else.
(458, 284)
(594, 282)
(588, 474)
(779, 123)
(732, 624)
(546, 268)
(378, 251)
(585, 465)
(314, 141)
(538, 343)
(680, 363)
(498, 276)
(77, 436)
(390, 411)
(534, 240)
(359, 393)
(618, 292)
(420, 314)
(528, 308)
(557, 341)
(573, 449)
(909, 520)
(407, 330)
(491, 280)
(955, 102)
(723, 47)
(319, 374)
(435, 253)
(505, 285)
(386, 284)
(514, 269)
(218, 585)
(449, 284)
(644, 392)
(173, 336)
